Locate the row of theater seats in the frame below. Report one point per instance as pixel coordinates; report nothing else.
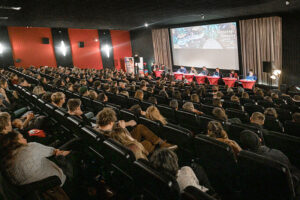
(217, 158)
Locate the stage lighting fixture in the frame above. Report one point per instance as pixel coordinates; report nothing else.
(277, 72)
(63, 48)
(10, 7)
(146, 24)
(106, 49)
(273, 77)
(1, 48)
(287, 2)
(96, 40)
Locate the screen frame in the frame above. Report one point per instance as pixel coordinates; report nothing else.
(203, 24)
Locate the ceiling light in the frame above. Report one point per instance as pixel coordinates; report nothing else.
(287, 2)
(1, 48)
(10, 7)
(4, 18)
(146, 24)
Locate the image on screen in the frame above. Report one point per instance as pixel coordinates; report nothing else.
(213, 46)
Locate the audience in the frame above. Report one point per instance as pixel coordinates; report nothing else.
(153, 113)
(174, 104)
(189, 106)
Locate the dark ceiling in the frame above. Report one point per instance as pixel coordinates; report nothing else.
(132, 14)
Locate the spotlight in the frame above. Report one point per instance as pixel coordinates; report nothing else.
(1, 48)
(106, 49)
(273, 77)
(287, 2)
(146, 24)
(10, 8)
(63, 48)
(277, 72)
(96, 40)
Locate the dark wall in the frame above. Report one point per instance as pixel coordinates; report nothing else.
(291, 49)
(141, 43)
(6, 58)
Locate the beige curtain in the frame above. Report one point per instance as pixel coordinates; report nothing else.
(161, 46)
(261, 40)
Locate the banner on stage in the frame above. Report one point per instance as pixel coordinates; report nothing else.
(129, 64)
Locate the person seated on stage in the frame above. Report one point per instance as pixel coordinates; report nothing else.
(251, 76)
(217, 73)
(193, 71)
(233, 74)
(204, 71)
(182, 69)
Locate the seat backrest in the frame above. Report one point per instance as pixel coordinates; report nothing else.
(233, 113)
(262, 178)
(154, 184)
(122, 101)
(288, 144)
(234, 105)
(127, 115)
(292, 128)
(145, 105)
(284, 114)
(188, 120)
(218, 161)
(251, 108)
(168, 113)
(193, 193)
(97, 105)
(207, 109)
(176, 135)
(161, 100)
(132, 101)
(273, 124)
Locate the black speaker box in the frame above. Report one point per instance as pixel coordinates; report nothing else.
(81, 44)
(267, 67)
(137, 59)
(45, 40)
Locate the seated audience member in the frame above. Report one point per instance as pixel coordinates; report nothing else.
(189, 106)
(166, 162)
(93, 95)
(268, 99)
(97, 85)
(107, 122)
(230, 92)
(26, 163)
(163, 93)
(47, 97)
(5, 123)
(182, 69)
(152, 100)
(38, 91)
(218, 95)
(215, 130)
(235, 99)
(245, 95)
(120, 135)
(296, 117)
(102, 98)
(195, 98)
(176, 95)
(70, 87)
(137, 110)
(114, 90)
(271, 112)
(125, 93)
(257, 120)
(240, 90)
(220, 114)
(217, 103)
(139, 94)
(74, 109)
(174, 104)
(274, 96)
(251, 142)
(215, 89)
(153, 113)
(58, 99)
(23, 122)
(83, 91)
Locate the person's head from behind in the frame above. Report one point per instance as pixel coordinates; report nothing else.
(152, 100)
(102, 97)
(9, 144)
(268, 99)
(215, 130)
(74, 107)
(83, 91)
(153, 113)
(271, 112)
(296, 117)
(125, 93)
(93, 94)
(235, 99)
(245, 95)
(275, 96)
(5, 123)
(38, 90)
(97, 84)
(174, 104)
(217, 103)
(188, 106)
(3, 83)
(165, 161)
(240, 90)
(195, 98)
(137, 110)
(249, 141)
(260, 93)
(220, 114)
(58, 99)
(257, 118)
(139, 94)
(106, 118)
(47, 97)
(176, 94)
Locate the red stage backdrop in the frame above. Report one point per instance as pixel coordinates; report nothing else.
(89, 56)
(27, 46)
(121, 47)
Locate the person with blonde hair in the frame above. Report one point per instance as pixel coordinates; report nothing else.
(189, 106)
(58, 99)
(271, 112)
(245, 95)
(153, 113)
(215, 130)
(38, 91)
(195, 98)
(139, 94)
(235, 99)
(120, 135)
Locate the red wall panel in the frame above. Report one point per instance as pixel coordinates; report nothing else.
(121, 46)
(27, 46)
(89, 56)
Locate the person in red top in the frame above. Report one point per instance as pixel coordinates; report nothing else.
(233, 74)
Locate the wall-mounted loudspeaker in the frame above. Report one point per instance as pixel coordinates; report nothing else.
(80, 44)
(267, 67)
(45, 40)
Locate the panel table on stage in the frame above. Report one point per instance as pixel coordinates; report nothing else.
(248, 84)
(200, 79)
(189, 77)
(158, 73)
(178, 76)
(229, 81)
(213, 80)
